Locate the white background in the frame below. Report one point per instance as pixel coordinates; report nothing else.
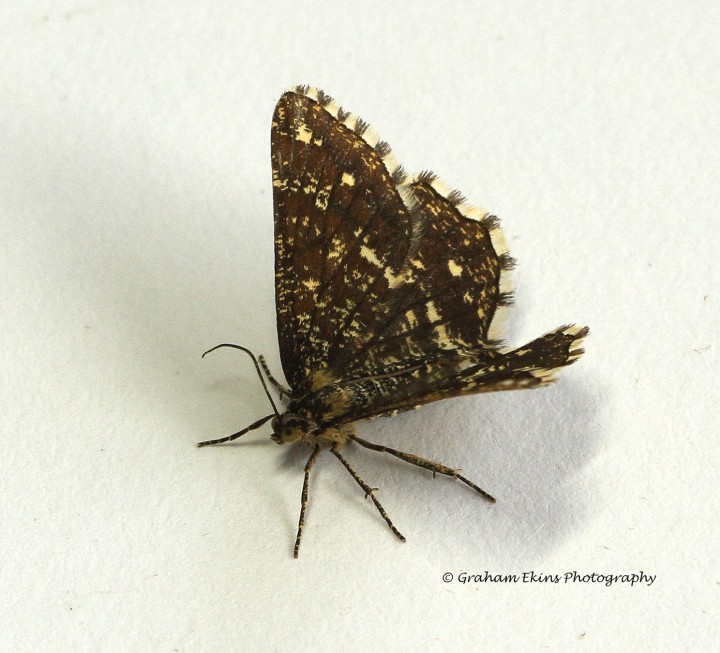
(136, 232)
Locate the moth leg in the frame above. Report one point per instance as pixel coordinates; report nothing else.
(426, 464)
(368, 492)
(304, 497)
(278, 386)
(235, 436)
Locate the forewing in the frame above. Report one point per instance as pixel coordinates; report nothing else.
(341, 229)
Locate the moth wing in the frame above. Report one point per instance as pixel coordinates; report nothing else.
(528, 366)
(437, 335)
(341, 229)
(389, 287)
(451, 290)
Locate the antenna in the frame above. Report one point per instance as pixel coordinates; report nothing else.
(257, 368)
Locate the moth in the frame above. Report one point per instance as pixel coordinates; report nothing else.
(389, 292)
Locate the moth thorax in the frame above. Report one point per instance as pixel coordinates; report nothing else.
(289, 427)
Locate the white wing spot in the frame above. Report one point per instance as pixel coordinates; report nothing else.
(395, 280)
(455, 269)
(369, 255)
(348, 179)
(311, 284)
(338, 249)
(303, 134)
(323, 198)
(432, 313)
(443, 338)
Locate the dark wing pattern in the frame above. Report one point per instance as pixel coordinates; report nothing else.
(391, 287)
(339, 226)
(453, 283)
(529, 366)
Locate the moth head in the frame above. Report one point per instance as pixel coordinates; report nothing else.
(289, 427)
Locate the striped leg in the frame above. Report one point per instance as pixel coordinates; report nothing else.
(304, 497)
(235, 436)
(426, 464)
(278, 386)
(368, 492)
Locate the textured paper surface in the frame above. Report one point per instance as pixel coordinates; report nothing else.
(136, 232)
